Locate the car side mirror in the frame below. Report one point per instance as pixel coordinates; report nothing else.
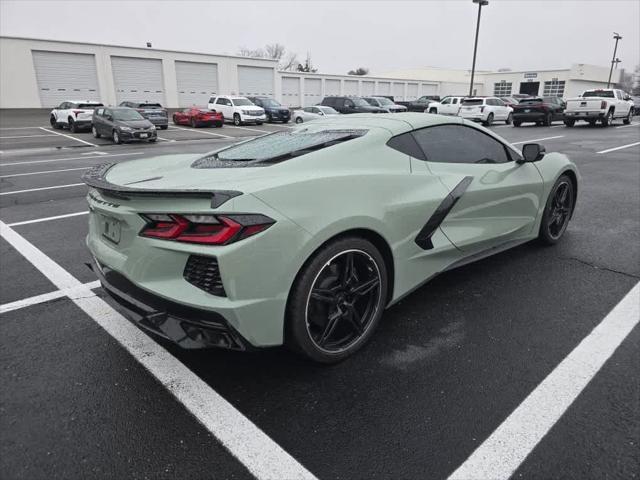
(532, 152)
(109, 117)
(321, 113)
(627, 98)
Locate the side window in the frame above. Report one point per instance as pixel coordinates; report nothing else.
(618, 94)
(64, 105)
(446, 101)
(348, 103)
(455, 101)
(406, 143)
(460, 144)
(211, 100)
(107, 112)
(100, 112)
(220, 101)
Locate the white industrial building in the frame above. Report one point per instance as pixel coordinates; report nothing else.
(43, 73)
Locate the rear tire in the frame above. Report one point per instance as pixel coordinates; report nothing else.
(548, 120)
(269, 119)
(299, 120)
(53, 122)
(607, 119)
(517, 123)
(509, 119)
(94, 132)
(164, 127)
(73, 128)
(489, 121)
(337, 300)
(259, 123)
(570, 123)
(557, 211)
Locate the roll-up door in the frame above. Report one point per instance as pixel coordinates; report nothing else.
(351, 87)
(65, 76)
(332, 87)
(398, 91)
(429, 89)
(412, 91)
(255, 81)
(384, 88)
(291, 91)
(197, 82)
(368, 88)
(312, 91)
(138, 79)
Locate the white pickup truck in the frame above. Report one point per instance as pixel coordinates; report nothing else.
(602, 105)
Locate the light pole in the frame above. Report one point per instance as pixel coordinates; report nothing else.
(480, 3)
(618, 37)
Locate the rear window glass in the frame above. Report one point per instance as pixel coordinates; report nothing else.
(599, 93)
(90, 105)
(275, 147)
(473, 101)
(150, 105)
(526, 101)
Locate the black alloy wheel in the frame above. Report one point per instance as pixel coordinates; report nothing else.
(558, 211)
(337, 300)
(548, 119)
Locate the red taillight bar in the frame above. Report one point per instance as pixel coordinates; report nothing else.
(603, 104)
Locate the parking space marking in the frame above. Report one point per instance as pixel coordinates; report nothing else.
(249, 129)
(28, 136)
(47, 297)
(619, 148)
(95, 153)
(15, 192)
(264, 458)
(69, 136)
(165, 139)
(536, 140)
(29, 162)
(46, 219)
(508, 446)
(43, 172)
(630, 125)
(19, 128)
(201, 131)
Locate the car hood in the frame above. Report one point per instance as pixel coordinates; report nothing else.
(134, 123)
(371, 108)
(250, 107)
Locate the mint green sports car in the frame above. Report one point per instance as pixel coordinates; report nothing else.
(304, 237)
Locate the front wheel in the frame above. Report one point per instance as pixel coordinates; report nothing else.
(175, 120)
(259, 123)
(570, 123)
(489, 121)
(194, 124)
(627, 119)
(337, 300)
(509, 119)
(548, 120)
(116, 137)
(299, 120)
(73, 128)
(94, 132)
(269, 119)
(433, 110)
(557, 211)
(517, 123)
(236, 119)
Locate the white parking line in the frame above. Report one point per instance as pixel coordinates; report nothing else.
(28, 162)
(201, 131)
(46, 219)
(28, 136)
(264, 458)
(19, 128)
(47, 297)
(42, 188)
(556, 126)
(619, 148)
(630, 125)
(250, 129)
(69, 136)
(536, 140)
(165, 139)
(43, 172)
(508, 446)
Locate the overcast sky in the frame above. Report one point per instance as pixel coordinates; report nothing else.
(342, 35)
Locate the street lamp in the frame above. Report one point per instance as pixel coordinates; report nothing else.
(480, 3)
(618, 37)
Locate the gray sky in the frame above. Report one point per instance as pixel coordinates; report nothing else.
(382, 35)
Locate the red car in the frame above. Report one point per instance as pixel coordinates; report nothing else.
(198, 116)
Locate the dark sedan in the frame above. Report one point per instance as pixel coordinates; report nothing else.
(122, 124)
(274, 111)
(154, 112)
(538, 110)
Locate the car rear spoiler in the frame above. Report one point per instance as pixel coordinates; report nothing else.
(96, 178)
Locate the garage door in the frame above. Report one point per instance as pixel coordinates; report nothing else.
(412, 91)
(351, 87)
(138, 79)
(368, 88)
(429, 89)
(291, 91)
(254, 81)
(65, 76)
(398, 91)
(197, 82)
(312, 91)
(384, 88)
(332, 87)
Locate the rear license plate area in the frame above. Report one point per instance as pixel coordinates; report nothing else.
(111, 228)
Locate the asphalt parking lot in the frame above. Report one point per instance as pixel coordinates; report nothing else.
(449, 364)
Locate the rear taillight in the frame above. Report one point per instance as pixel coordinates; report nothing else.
(603, 104)
(204, 229)
(76, 112)
(482, 109)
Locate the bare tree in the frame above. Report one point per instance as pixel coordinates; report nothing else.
(247, 52)
(626, 81)
(307, 66)
(273, 51)
(358, 71)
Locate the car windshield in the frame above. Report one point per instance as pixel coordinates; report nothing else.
(241, 102)
(275, 147)
(384, 101)
(126, 114)
(328, 110)
(90, 105)
(359, 102)
(473, 101)
(599, 93)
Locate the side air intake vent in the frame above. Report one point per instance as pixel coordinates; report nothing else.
(203, 272)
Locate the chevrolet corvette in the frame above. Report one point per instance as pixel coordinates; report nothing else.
(304, 237)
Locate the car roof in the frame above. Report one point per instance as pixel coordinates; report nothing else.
(82, 101)
(395, 123)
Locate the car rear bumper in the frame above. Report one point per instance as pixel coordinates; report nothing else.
(529, 116)
(159, 122)
(477, 117)
(583, 115)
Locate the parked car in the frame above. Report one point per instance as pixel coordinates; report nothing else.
(198, 117)
(539, 110)
(635, 100)
(273, 109)
(312, 113)
(239, 110)
(122, 125)
(154, 112)
(486, 110)
(421, 104)
(75, 115)
(350, 105)
(603, 105)
(361, 228)
(447, 106)
(386, 104)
